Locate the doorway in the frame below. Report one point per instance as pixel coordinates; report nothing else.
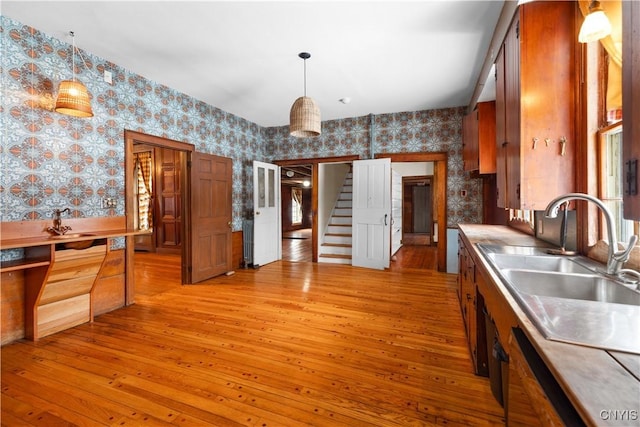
(417, 210)
(297, 215)
(196, 198)
(158, 207)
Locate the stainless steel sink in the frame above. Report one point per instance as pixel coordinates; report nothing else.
(571, 286)
(569, 299)
(538, 263)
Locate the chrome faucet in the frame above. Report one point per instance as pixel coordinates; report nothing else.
(615, 258)
(58, 228)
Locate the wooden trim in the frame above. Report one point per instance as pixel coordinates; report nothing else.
(314, 214)
(440, 180)
(132, 137)
(414, 157)
(314, 161)
(314, 190)
(12, 230)
(158, 141)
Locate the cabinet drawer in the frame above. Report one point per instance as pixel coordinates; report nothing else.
(56, 291)
(73, 263)
(63, 314)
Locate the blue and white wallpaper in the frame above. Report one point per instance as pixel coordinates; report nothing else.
(51, 160)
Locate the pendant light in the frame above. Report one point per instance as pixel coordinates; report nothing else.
(73, 96)
(304, 119)
(596, 25)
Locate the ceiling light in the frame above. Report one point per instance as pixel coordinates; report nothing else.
(306, 183)
(305, 114)
(73, 96)
(290, 174)
(596, 25)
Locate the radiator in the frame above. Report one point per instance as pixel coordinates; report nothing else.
(247, 241)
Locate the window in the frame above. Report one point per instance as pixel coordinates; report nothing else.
(610, 180)
(296, 206)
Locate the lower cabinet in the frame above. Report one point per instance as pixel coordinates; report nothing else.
(519, 378)
(65, 297)
(472, 309)
(535, 397)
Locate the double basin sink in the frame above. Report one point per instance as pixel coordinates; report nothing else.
(569, 299)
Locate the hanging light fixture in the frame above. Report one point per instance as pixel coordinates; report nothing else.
(73, 96)
(304, 119)
(596, 25)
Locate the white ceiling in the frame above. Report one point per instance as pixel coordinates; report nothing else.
(242, 57)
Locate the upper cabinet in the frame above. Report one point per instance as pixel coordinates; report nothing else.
(535, 106)
(479, 139)
(631, 107)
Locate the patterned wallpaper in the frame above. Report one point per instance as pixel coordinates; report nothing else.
(408, 132)
(51, 160)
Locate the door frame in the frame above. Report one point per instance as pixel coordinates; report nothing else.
(131, 138)
(315, 162)
(440, 193)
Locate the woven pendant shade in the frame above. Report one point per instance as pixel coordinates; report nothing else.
(304, 119)
(73, 99)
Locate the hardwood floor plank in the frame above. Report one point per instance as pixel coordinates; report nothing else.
(288, 344)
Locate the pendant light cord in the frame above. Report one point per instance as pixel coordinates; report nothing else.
(305, 77)
(73, 55)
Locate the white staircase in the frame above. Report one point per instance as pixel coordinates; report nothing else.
(336, 242)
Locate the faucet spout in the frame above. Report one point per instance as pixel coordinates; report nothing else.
(615, 258)
(58, 228)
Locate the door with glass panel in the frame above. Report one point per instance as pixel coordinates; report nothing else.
(267, 228)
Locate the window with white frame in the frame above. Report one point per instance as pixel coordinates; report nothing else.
(296, 206)
(611, 179)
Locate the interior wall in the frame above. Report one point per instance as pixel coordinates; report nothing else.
(52, 160)
(406, 132)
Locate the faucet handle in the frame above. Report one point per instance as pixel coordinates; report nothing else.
(623, 255)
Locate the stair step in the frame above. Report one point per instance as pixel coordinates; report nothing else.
(337, 245)
(339, 225)
(338, 234)
(335, 256)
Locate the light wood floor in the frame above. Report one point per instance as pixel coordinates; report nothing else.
(415, 253)
(289, 344)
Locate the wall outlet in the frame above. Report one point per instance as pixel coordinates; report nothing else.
(108, 77)
(109, 203)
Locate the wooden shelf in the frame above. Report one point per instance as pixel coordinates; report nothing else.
(22, 264)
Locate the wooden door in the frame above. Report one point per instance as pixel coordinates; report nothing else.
(371, 213)
(168, 200)
(211, 211)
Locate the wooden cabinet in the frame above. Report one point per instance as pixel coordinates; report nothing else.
(535, 106)
(63, 300)
(479, 139)
(472, 311)
(631, 107)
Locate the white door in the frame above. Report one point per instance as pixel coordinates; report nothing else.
(371, 213)
(267, 228)
(396, 211)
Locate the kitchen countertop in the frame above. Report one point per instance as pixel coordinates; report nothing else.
(596, 381)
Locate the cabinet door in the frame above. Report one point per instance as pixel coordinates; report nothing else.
(501, 137)
(631, 105)
(470, 141)
(512, 112)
